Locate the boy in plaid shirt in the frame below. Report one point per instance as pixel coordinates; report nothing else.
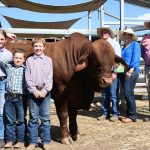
(13, 108)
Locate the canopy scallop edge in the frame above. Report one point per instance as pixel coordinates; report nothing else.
(15, 23)
(28, 5)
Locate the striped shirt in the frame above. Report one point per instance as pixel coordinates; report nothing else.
(39, 71)
(15, 78)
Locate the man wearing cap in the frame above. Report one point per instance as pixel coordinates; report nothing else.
(145, 53)
(111, 92)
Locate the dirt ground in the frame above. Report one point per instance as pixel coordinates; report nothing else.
(105, 135)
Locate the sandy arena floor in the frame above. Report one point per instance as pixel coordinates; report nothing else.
(105, 135)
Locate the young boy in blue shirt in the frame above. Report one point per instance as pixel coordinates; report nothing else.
(13, 108)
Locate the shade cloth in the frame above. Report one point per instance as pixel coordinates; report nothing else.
(141, 3)
(15, 23)
(28, 5)
(28, 36)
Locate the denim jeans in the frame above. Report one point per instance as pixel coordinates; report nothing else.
(110, 94)
(2, 101)
(39, 108)
(128, 91)
(14, 119)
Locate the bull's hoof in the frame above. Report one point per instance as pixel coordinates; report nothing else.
(75, 137)
(67, 140)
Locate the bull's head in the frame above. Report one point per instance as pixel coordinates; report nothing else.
(103, 59)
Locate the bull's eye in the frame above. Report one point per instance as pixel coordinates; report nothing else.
(95, 63)
(100, 68)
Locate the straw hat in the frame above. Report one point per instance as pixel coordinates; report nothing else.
(147, 24)
(99, 32)
(129, 31)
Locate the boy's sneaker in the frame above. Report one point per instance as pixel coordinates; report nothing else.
(2, 143)
(31, 147)
(146, 119)
(114, 118)
(102, 118)
(9, 145)
(19, 145)
(46, 147)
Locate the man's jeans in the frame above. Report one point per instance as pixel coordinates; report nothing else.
(39, 108)
(15, 119)
(128, 91)
(110, 94)
(2, 101)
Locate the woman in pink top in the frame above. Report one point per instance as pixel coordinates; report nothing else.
(145, 53)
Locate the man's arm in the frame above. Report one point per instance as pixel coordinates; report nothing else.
(142, 48)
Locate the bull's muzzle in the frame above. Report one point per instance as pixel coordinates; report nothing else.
(107, 81)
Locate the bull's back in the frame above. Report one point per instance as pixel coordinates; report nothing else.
(23, 44)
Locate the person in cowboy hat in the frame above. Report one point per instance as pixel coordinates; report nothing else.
(111, 92)
(147, 24)
(145, 53)
(131, 54)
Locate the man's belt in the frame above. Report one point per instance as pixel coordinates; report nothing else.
(2, 78)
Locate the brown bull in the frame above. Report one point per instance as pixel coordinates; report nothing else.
(80, 68)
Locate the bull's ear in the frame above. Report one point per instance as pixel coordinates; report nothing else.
(120, 60)
(81, 66)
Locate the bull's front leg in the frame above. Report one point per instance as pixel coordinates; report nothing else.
(73, 127)
(62, 112)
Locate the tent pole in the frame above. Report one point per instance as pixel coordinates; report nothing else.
(89, 23)
(101, 16)
(122, 15)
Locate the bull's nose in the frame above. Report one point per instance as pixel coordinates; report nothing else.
(107, 80)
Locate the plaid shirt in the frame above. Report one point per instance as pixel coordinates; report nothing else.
(15, 78)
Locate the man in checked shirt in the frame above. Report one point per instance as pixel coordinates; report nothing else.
(13, 108)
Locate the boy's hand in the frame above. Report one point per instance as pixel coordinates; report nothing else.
(41, 94)
(37, 94)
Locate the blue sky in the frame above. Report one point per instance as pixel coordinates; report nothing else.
(111, 6)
